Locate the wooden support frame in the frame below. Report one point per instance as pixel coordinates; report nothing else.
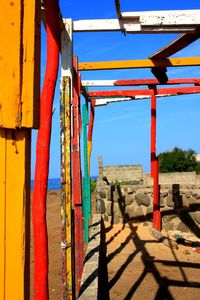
(138, 82)
(144, 22)
(77, 178)
(15, 149)
(65, 137)
(19, 64)
(133, 93)
(141, 63)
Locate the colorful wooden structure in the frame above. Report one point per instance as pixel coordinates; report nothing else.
(19, 113)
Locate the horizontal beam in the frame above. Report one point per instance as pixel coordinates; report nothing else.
(144, 22)
(180, 43)
(133, 93)
(105, 101)
(140, 63)
(137, 82)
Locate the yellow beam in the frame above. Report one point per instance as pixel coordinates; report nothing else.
(19, 63)
(140, 63)
(14, 207)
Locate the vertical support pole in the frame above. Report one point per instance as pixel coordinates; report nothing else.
(15, 149)
(86, 179)
(65, 136)
(154, 164)
(156, 199)
(76, 178)
(153, 130)
(90, 131)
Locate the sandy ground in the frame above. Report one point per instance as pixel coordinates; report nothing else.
(139, 267)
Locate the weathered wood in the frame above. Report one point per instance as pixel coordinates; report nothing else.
(140, 63)
(177, 45)
(165, 240)
(15, 205)
(19, 63)
(144, 22)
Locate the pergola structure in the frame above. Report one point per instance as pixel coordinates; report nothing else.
(19, 113)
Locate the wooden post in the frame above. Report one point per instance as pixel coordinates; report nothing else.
(153, 130)
(15, 149)
(19, 112)
(90, 131)
(86, 179)
(65, 137)
(77, 179)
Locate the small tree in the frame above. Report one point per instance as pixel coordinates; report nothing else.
(178, 160)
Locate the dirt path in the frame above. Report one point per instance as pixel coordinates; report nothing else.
(139, 267)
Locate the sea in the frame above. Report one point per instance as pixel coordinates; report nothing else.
(54, 183)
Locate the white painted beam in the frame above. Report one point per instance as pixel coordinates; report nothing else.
(105, 101)
(144, 22)
(98, 82)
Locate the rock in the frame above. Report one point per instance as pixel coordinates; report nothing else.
(130, 211)
(182, 227)
(111, 208)
(162, 202)
(170, 201)
(149, 212)
(164, 194)
(168, 218)
(187, 194)
(101, 206)
(130, 190)
(169, 226)
(115, 219)
(120, 212)
(139, 212)
(106, 218)
(143, 199)
(129, 199)
(101, 192)
(197, 216)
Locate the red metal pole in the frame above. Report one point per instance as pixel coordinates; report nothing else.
(42, 154)
(77, 179)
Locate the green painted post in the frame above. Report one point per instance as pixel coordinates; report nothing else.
(86, 179)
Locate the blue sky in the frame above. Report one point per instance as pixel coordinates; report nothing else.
(122, 130)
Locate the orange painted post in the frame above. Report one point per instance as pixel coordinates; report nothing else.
(76, 179)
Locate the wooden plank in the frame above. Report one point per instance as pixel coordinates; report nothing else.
(177, 45)
(19, 63)
(137, 82)
(2, 211)
(31, 66)
(145, 92)
(15, 205)
(141, 63)
(10, 59)
(129, 25)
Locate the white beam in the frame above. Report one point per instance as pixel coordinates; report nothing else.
(98, 82)
(105, 101)
(144, 22)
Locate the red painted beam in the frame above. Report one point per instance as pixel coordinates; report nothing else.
(43, 153)
(136, 82)
(77, 179)
(133, 93)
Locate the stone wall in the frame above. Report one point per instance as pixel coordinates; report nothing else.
(128, 173)
(179, 203)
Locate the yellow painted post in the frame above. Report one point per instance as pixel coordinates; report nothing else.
(19, 63)
(66, 181)
(14, 206)
(19, 111)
